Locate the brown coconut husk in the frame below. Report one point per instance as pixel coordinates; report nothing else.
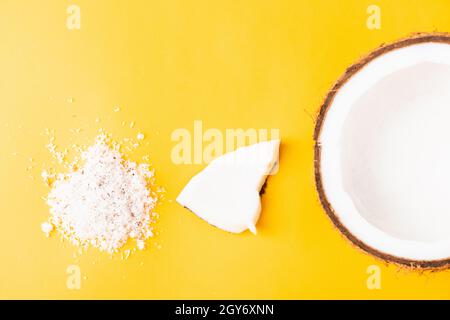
(352, 70)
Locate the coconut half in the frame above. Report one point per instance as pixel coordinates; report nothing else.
(382, 152)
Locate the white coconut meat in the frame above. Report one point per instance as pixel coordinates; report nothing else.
(385, 153)
(226, 192)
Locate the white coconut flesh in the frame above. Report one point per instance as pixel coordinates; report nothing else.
(385, 153)
(226, 192)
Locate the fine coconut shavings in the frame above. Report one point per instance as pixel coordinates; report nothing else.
(105, 200)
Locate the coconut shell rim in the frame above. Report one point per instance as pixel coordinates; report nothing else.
(416, 38)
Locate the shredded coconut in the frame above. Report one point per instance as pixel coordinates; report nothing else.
(104, 201)
(140, 244)
(46, 227)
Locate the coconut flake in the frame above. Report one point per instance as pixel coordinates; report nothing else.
(46, 228)
(140, 244)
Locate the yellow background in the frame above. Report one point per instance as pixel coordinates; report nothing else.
(233, 63)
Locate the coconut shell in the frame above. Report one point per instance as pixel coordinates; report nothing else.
(352, 70)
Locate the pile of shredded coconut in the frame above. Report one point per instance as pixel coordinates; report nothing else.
(104, 201)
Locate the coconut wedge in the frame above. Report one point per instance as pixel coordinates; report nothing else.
(382, 153)
(226, 192)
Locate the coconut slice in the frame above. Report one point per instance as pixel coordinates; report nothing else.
(383, 152)
(226, 192)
